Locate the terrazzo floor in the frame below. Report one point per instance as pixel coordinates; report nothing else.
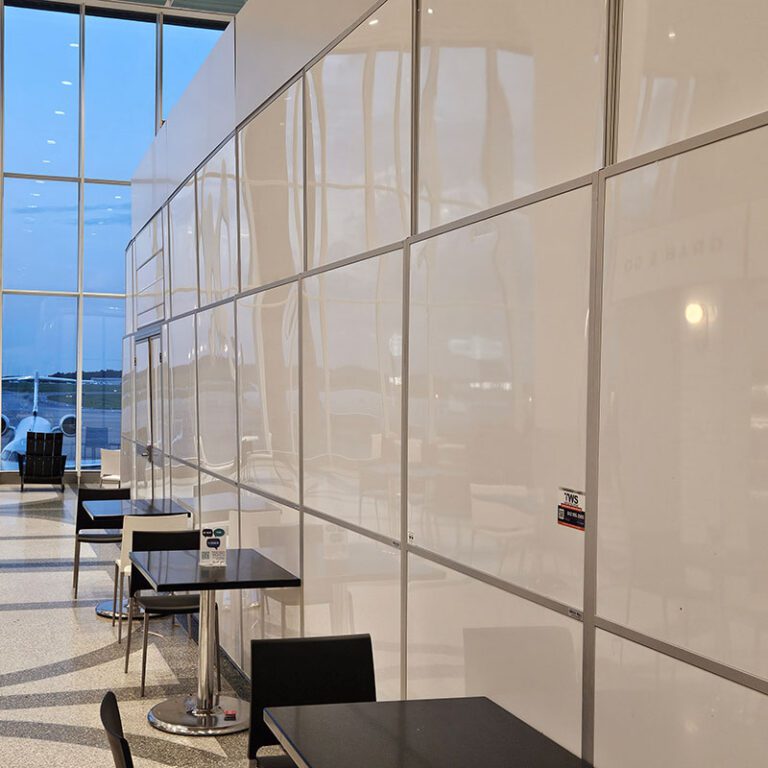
(57, 658)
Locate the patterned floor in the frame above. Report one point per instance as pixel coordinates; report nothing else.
(57, 658)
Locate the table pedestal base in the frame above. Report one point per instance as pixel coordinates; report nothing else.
(178, 715)
(104, 609)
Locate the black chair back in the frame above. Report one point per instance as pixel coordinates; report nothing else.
(158, 541)
(113, 726)
(43, 460)
(84, 521)
(307, 670)
(44, 443)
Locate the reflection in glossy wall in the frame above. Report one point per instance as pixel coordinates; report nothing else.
(497, 388)
(182, 240)
(352, 368)
(511, 101)
(682, 558)
(688, 67)
(217, 226)
(272, 192)
(216, 392)
(467, 638)
(358, 163)
(268, 367)
(183, 378)
(106, 230)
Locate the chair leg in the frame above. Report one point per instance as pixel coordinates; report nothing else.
(130, 632)
(114, 596)
(76, 572)
(144, 651)
(120, 608)
(218, 650)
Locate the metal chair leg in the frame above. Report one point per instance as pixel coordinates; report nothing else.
(120, 603)
(76, 574)
(130, 632)
(114, 596)
(218, 649)
(144, 652)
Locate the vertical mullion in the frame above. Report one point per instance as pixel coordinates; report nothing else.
(614, 14)
(159, 73)
(80, 223)
(2, 178)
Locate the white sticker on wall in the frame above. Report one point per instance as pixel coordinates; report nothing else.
(570, 509)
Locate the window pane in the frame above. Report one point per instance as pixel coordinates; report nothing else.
(106, 232)
(39, 364)
(184, 50)
(40, 235)
(119, 95)
(102, 363)
(42, 81)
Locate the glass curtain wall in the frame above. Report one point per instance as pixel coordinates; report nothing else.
(82, 98)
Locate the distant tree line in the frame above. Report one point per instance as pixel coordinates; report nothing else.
(104, 373)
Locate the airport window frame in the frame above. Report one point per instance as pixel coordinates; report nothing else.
(128, 11)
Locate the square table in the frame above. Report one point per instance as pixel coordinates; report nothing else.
(208, 713)
(435, 733)
(102, 509)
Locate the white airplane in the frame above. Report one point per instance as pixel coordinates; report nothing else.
(34, 423)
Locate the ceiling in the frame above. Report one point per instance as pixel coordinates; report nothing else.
(228, 7)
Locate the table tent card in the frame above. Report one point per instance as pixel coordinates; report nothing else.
(213, 544)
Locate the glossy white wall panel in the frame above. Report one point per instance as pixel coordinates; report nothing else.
(219, 504)
(498, 379)
(683, 495)
(654, 710)
(466, 638)
(126, 390)
(511, 101)
(352, 585)
(141, 392)
(182, 228)
(150, 184)
(688, 67)
(275, 40)
(127, 453)
(352, 348)
(183, 380)
(268, 366)
(204, 115)
(216, 390)
(130, 312)
(185, 488)
(358, 128)
(272, 192)
(273, 529)
(217, 226)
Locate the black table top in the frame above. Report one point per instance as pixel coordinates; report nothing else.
(436, 733)
(100, 508)
(181, 570)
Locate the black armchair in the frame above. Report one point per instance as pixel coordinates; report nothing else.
(44, 461)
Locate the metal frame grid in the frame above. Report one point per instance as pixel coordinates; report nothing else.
(81, 179)
(588, 615)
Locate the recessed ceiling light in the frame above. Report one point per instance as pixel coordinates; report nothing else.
(47, 162)
(118, 197)
(34, 194)
(672, 35)
(372, 22)
(58, 111)
(74, 45)
(50, 141)
(430, 10)
(66, 82)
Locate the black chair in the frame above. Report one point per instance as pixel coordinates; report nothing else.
(305, 670)
(113, 726)
(90, 531)
(44, 461)
(156, 604)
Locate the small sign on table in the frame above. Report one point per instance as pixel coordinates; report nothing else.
(213, 544)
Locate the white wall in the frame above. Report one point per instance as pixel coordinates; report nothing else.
(394, 389)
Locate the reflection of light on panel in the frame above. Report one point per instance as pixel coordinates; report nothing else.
(683, 495)
(497, 388)
(654, 710)
(466, 638)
